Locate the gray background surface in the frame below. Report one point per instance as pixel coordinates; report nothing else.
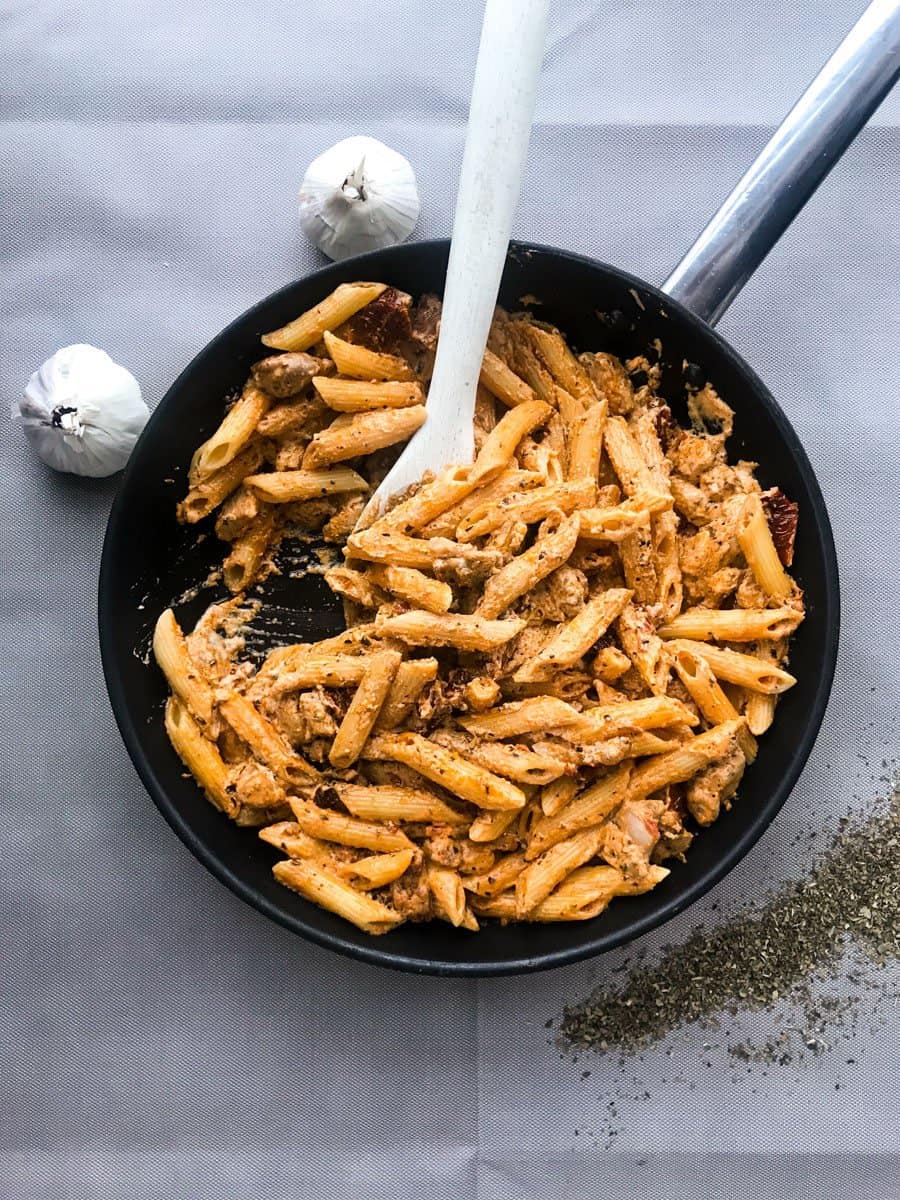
(159, 1038)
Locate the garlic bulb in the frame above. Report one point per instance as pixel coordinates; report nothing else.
(359, 195)
(82, 412)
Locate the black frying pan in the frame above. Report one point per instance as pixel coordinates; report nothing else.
(149, 560)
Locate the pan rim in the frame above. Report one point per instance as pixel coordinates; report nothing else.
(373, 953)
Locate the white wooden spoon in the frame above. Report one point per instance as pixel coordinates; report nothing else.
(500, 115)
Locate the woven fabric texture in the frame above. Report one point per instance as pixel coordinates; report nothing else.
(159, 1038)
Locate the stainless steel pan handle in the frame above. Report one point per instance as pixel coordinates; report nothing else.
(808, 143)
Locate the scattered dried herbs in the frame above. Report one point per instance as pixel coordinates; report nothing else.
(848, 904)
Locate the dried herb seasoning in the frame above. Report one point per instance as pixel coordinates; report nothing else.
(848, 905)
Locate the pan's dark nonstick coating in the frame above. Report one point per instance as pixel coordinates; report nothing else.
(149, 561)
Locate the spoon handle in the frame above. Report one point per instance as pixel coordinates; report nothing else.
(804, 148)
(500, 115)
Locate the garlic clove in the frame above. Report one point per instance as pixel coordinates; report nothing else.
(359, 195)
(82, 412)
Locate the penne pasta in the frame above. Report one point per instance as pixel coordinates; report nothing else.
(357, 396)
(329, 891)
(411, 678)
(576, 637)
(732, 624)
(586, 443)
(358, 362)
(463, 631)
(518, 763)
(715, 707)
(488, 826)
(529, 506)
(745, 670)
(280, 487)
(211, 491)
(500, 444)
(755, 540)
(389, 803)
(353, 585)
(533, 715)
(540, 877)
(679, 765)
(267, 743)
(242, 565)
(583, 811)
(236, 430)
(504, 383)
(528, 569)
(355, 434)
(447, 892)
(414, 587)
(447, 522)
(333, 311)
(365, 706)
(401, 550)
(328, 825)
(183, 675)
(200, 756)
(378, 870)
(447, 769)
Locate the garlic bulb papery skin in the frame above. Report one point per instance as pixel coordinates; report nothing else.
(359, 195)
(82, 412)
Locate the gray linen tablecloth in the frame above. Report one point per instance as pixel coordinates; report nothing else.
(160, 1039)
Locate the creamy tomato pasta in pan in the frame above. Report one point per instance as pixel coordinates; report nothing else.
(557, 659)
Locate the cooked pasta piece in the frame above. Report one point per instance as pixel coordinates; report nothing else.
(446, 887)
(200, 756)
(280, 487)
(586, 443)
(352, 435)
(414, 587)
(540, 877)
(242, 565)
(412, 676)
(388, 803)
(523, 573)
(715, 707)
(236, 430)
(333, 311)
(328, 825)
(755, 540)
(503, 439)
(182, 673)
(358, 362)
(465, 632)
(528, 506)
(206, 496)
(356, 395)
(533, 715)
(365, 706)
(504, 383)
(325, 888)
(575, 638)
(447, 769)
(732, 624)
(583, 811)
(679, 765)
(266, 742)
(745, 670)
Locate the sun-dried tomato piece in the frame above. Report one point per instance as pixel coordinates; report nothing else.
(781, 514)
(383, 323)
(665, 424)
